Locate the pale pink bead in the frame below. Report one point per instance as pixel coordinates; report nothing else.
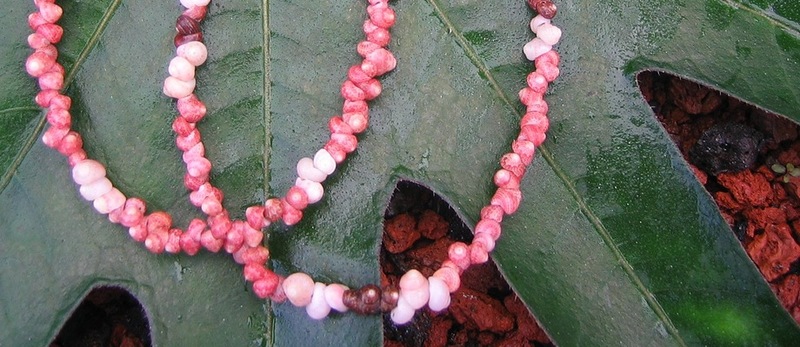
(298, 288)
(51, 32)
(478, 253)
(486, 240)
(50, 12)
(537, 120)
(383, 17)
(306, 170)
(337, 126)
(372, 88)
(252, 237)
(357, 75)
(109, 201)
(489, 227)
(96, 189)
(38, 64)
(195, 3)
(59, 117)
(211, 206)
(537, 82)
(549, 34)
(355, 106)
(525, 149)
(87, 172)
(174, 241)
(318, 308)
(138, 232)
(181, 69)
(347, 143)
(197, 151)
(528, 96)
(176, 88)
(53, 135)
(349, 91)
(537, 22)
(378, 62)
(507, 199)
(357, 121)
(450, 277)
(314, 190)
(184, 143)
(195, 52)
(114, 215)
(267, 286)
(333, 296)
(191, 108)
(535, 48)
(291, 215)
(211, 243)
(324, 162)
(297, 198)
(414, 289)
(51, 80)
(367, 47)
(532, 135)
(439, 294)
(255, 217)
(402, 313)
(512, 162)
(458, 253)
(36, 41)
(70, 144)
(254, 272)
(506, 179)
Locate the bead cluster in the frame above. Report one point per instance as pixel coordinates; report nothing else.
(243, 239)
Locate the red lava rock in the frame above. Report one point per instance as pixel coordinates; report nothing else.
(702, 177)
(438, 333)
(793, 187)
(515, 339)
(726, 201)
(431, 225)
(485, 338)
(774, 251)
(478, 310)
(761, 218)
(427, 259)
(747, 187)
(526, 325)
(788, 290)
(400, 233)
(694, 98)
(483, 278)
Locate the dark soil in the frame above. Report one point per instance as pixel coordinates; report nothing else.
(744, 157)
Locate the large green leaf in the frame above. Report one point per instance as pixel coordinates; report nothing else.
(615, 243)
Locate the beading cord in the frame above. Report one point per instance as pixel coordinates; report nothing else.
(243, 239)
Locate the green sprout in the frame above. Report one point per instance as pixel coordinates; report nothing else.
(788, 170)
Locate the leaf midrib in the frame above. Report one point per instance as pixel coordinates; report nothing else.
(595, 221)
(94, 38)
(266, 95)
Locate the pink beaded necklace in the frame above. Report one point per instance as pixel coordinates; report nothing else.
(243, 238)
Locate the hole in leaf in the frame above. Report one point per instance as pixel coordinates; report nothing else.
(746, 159)
(107, 316)
(419, 227)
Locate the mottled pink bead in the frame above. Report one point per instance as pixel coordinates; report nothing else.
(492, 212)
(306, 170)
(61, 101)
(174, 241)
(114, 215)
(381, 16)
(255, 255)
(533, 135)
(380, 36)
(525, 149)
(51, 80)
(255, 217)
(176, 88)
(366, 47)
(254, 272)
(291, 215)
(184, 143)
(220, 224)
(50, 12)
(235, 237)
(414, 289)
(489, 227)
(211, 243)
(197, 196)
(191, 108)
(355, 106)
(478, 253)
(372, 88)
(51, 32)
(181, 126)
(549, 58)
(528, 96)
(318, 308)
(109, 201)
(194, 3)
(298, 288)
(76, 157)
(133, 212)
(314, 190)
(53, 135)
(337, 126)
(357, 121)
(537, 82)
(507, 199)
(36, 41)
(336, 151)
(297, 198)
(333, 296)
(450, 277)
(267, 286)
(458, 253)
(402, 313)
(252, 236)
(324, 162)
(88, 171)
(278, 296)
(351, 92)
(549, 71)
(537, 120)
(486, 240)
(35, 19)
(50, 50)
(59, 117)
(378, 62)
(181, 69)
(138, 232)
(70, 143)
(189, 245)
(211, 206)
(57, 68)
(193, 183)
(347, 143)
(38, 64)
(439, 294)
(43, 98)
(357, 75)
(198, 166)
(195, 52)
(506, 179)
(512, 162)
(273, 210)
(156, 241)
(96, 189)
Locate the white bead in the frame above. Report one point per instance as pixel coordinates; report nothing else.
(306, 170)
(175, 88)
(535, 48)
(439, 294)
(181, 69)
(324, 162)
(318, 308)
(537, 22)
(402, 313)
(333, 296)
(550, 34)
(299, 288)
(96, 189)
(314, 190)
(193, 3)
(195, 52)
(88, 171)
(109, 201)
(414, 289)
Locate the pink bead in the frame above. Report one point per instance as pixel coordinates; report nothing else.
(51, 32)
(324, 162)
(51, 80)
(35, 19)
(507, 199)
(267, 286)
(414, 289)
(439, 294)
(156, 241)
(235, 238)
(177, 89)
(87, 172)
(450, 277)
(458, 253)
(184, 143)
(210, 243)
(537, 120)
(492, 212)
(357, 75)
(318, 308)
(193, 183)
(174, 241)
(189, 245)
(159, 221)
(380, 36)
(252, 237)
(537, 82)
(337, 126)
(109, 201)
(70, 143)
(525, 150)
(513, 162)
(378, 62)
(306, 170)
(336, 151)
(549, 58)
(182, 127)
(333, 296)
(198, 167)
(255, 255)
(383, 17)
(297, 198)
(347, 143)
(44, 97)
(205, 190)
(355, 106)
(53, 135)
(138, 232)
(255, 217)
(533, 135)
(350, 91)
(60, 101)
(372, 88)
(96, 189)
(50, 50)
(220, 224)
(211, 206)
(133, 212)
(314, 190)
(254, 272)
(76, 157)
(195, 52)
(298, 288)
(191, 108)
(549, 71)
(478, 253)
(489, 227)
(506, 179)
(291, 215)
(528, 96)
(367, 47)
(273, 210)
(486, 240)
(59, 118)
(237, 256)
(535, 48)
(50, 12)
(181, 69)
(278, 296)
(38, 64)
(402, 313)
(114, 215)
(357, 121)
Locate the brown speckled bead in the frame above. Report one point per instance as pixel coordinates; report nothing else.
(366, 300)
(389, 298)
(186, 25)
(181, 39)
(545, 8)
